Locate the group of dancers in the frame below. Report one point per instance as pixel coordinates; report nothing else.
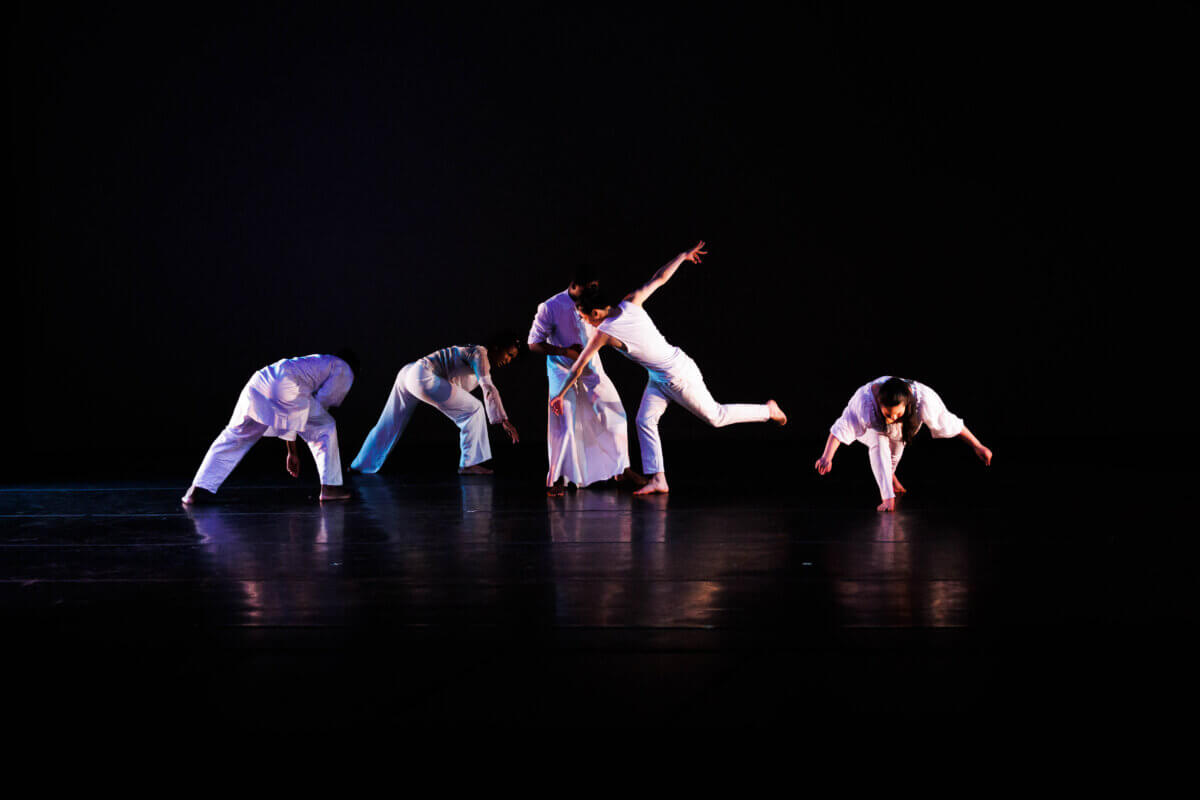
(587, 437)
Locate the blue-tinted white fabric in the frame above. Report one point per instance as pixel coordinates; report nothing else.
(285, 400)
(672, 377)
(443, 379)
(589, 442)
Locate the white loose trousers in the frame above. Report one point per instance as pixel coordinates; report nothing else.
(590, 441)
(418, 383)
(232, 444)
(685, 386)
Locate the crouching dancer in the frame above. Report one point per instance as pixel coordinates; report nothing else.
(287, 399)
(885, 415)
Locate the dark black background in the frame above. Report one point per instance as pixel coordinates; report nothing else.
(996, 200)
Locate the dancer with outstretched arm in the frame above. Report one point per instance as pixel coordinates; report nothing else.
(672, 376)
(445, 379)
(885, 415)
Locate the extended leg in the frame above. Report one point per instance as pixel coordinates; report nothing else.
(224, 454)
(392, 422)
(691, 393)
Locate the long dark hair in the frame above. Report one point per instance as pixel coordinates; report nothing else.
(593, 297)
(894, 391)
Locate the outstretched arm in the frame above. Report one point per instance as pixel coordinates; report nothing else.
(597, 341)
(639, 296)
(985, 454)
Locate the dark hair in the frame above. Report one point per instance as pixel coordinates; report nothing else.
(585, 274)
(592, 298)
(502, 340)
(350, 357)
(892, 392)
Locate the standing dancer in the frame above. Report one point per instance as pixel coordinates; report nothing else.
(885, 415)
(445, 380)
(588, 441)
(673, 376)
(287, 399)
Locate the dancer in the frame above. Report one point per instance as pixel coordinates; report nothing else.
(588, 441)
(673, 376)
(885, 415)
(445, 380)
(287, 399)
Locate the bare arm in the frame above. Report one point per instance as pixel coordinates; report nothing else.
(985, 455)
(597, 341)
(639, 296)
(825, 462)
(292, 463)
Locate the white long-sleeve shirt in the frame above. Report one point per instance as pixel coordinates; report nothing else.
(558, 323)
(861, 419)
(283, 395)
(467, 366)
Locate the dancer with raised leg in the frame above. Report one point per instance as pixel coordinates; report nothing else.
(589, 441)
(445, 379)
(885, 415)
(672, 375)
(289, 398)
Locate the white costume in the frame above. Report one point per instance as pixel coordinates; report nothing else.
(861, 421)
(444, 380)
(286, 399)
(674, 377)
(590, 441)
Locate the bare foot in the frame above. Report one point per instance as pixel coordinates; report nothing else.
(558, 489)
(334, 493)
(474, 469)
(629, 476)
(896, 487)
(777, 415)
(195, 495)
(887, 505)
(656, 485)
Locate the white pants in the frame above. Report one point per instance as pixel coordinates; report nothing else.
(417, 383)
(590, 441)
(684, 386)
(885, 455)
(320, 434)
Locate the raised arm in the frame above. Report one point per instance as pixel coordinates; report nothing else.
(598, 340)
(639, 296)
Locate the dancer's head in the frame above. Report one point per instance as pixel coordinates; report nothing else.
(593, 306)
(503, 347)
(350, 357)
(584, 277)
(897, 405)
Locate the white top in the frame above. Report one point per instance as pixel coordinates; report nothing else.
(558, 323)
(642, 340)
(861, 418)
(284, 394)
(467, 366)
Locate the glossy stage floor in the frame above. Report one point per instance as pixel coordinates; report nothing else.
(738, 598)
